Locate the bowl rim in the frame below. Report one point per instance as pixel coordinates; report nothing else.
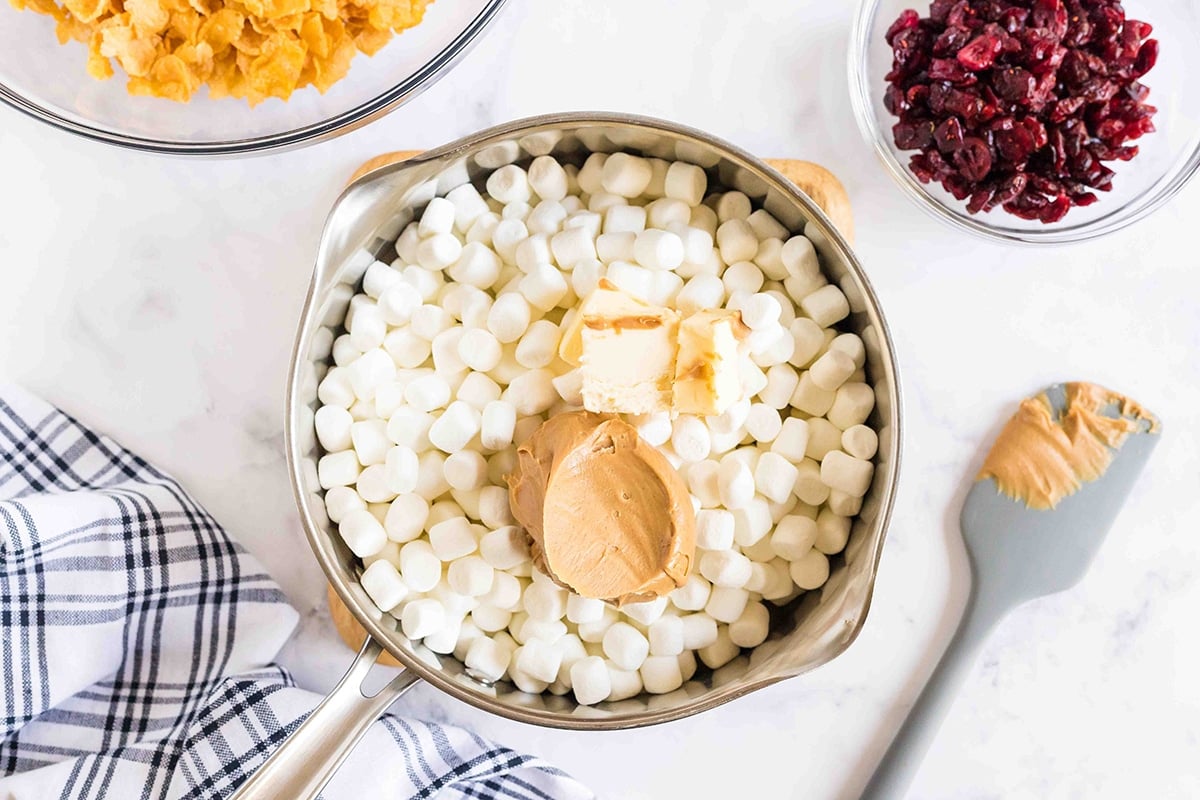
(329, 560)
(870, 127)
(426, 76)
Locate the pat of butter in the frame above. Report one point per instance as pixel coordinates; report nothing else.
(626, 350)
(707, 378)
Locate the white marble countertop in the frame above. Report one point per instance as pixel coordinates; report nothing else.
(156, 299)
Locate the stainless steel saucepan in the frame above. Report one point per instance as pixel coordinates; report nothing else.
(363, 225)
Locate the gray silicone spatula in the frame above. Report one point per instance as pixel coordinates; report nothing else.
(1016, 554)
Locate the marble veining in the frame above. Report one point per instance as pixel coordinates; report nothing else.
(156, 299)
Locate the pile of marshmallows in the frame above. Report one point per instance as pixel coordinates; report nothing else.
(450, 360)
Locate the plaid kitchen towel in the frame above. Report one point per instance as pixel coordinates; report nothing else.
(137, 641)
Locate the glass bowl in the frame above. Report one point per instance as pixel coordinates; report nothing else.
(1168, 157)
(49, 82)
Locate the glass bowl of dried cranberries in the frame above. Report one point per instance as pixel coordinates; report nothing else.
(1031, 121)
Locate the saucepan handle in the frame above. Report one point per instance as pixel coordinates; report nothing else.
(306, 761)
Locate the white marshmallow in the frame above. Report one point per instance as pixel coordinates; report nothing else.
(543, 286)
(699, 293)
(487, 659)
(539, 346)
(833, 531)
(509, 184)
(799, 257)
(497, 423)
(600, 202)
(371, 442)
(624, 219)
(793, 537)
(547, 178)
(733, 205)
(569, 386)
(637, 281)
(362, 533)
(808, 338)
(378, 277)
(725, 568)
(593, 632)
(736, 241)
(792, 441)
(465, 470)
(509, 317)
(826, 306)
(758, 310)
(426, 282)
(545, 601)
(422, 617)
(751, 523)
(340, 501)
(591, 174)
(332, 424)
(507, 237)
(845, 473)
(477, 390)
(531, 393)
(477, 265)
(491, 619)
(774, 477)
(419, 566)
(686, 182)
(690, 438)
(742, 276)
(539, 660)
(406, 517)
(823, 436)
(703, 483)
(427, 392)
(666, 213)
(457, 425)
(590, 680)
(665, 286)
(439, 251)
(766, 226)
(452, 538)
(430, 320)
(468, 206)
(367, 328)
(625, 683)
(484, 227)
(583, 219)
(811, 570)
(626, 175)
(505, 592)
(666, 636)
(726, 603)
(410, 427)
(431, 483)
(752, 627)
(406, 348)
(720, 652)
(584, 609)
(438, 217)
(477, 349)
(763, 423)
(852, 405)
(471, 576)
(572, 246)
(860, 441)
(645, 612)
(782, 381)
(658, 250)
(661, 674)
(714, 529)
(809, 486)
(831, 370)
(400, 469)
(586, 276)
(338, 469)
(735, 482)
(731, 419)
(625, 646)
(693, 595)
(616, 246)
(810, 398)
(699, 631)
(842, 504)
(383, 584)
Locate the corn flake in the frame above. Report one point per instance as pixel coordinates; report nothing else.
(249, 49)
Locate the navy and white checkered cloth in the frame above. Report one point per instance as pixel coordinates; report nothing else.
(137, 641)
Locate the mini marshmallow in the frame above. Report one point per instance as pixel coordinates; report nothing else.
(661, 674)
(600, 202)
(831, 370)
(585, 220)
(465, 470)
(860, 441)
(531, 393)
(471, 576)
(808, 338)
(452, 538)
(625, 646)
(809, 486)
(370, 440)
(505, 592)
(569, 386)
(751, 523)
(533, 252)
(658, 250)
(637, 281)
(720, 652)
(732, 205)
(842, 504)
(845, 473)
(484, 227)
(477, 265)
(826, 306)
(427, 392)
(509, 317)
(763, 423)
(703, 482)
(593, 632)
(367, 328)
(782, 382)
(487, 659)
(406, 516)
(419, 566)
(478, 349)
(333, 425)
(410, 427)
(626, 175)
(446, 359)
(547, 178)
(726, 603)
(539, 660)
(615, 246)
(736, 241)
(590, 680)
(340, 501)
(699, 293)
(852, 404)
(509, 184)
(430, 320)
(543, 286)
(759, 310)
(494, 509)
(714, 529)
(572, 246)
(811, 570)
(362, 532)
(438, 217)
(690, 438)
(666, 636)
(504, 547)
(665, 285)
(742, 276)
(497, 423)
(545, 601)
(833, 531)
(686, 182)
(584, 609)
(730, 420)
(477, 390)
(626, 683)
(422, 617)
(491, 619)
(793, 537)
(378, 277)
(383, 584)
(774, 476)
(457, 425)
(735, 482)
(699, 630)
(400, 470)
(622, 220)
(645, 612)
(752, 627)
(766, 226)
(665, 214)
(468, 206)
(725, 568)
(590, 177)
(439, 251)
(810, 398)
(539, 346)
(693, 595)
(823, 436)
(507, 237)
(406, 348)
(799, 257)
(792, 441)
(431, 483)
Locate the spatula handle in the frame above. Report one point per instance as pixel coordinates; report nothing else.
(903, 757)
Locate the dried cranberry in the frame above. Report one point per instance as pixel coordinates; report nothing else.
(908, 19)
(945, 69)
(913, 135)
(973, 159)
(980, 52)
(1014, 84)
(948, 135)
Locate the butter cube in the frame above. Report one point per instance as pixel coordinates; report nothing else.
(707, 380)
(627, 352)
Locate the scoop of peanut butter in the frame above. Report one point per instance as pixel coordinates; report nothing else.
(608, 515)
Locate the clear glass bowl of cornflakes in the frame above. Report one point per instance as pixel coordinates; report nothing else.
(224, 77)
